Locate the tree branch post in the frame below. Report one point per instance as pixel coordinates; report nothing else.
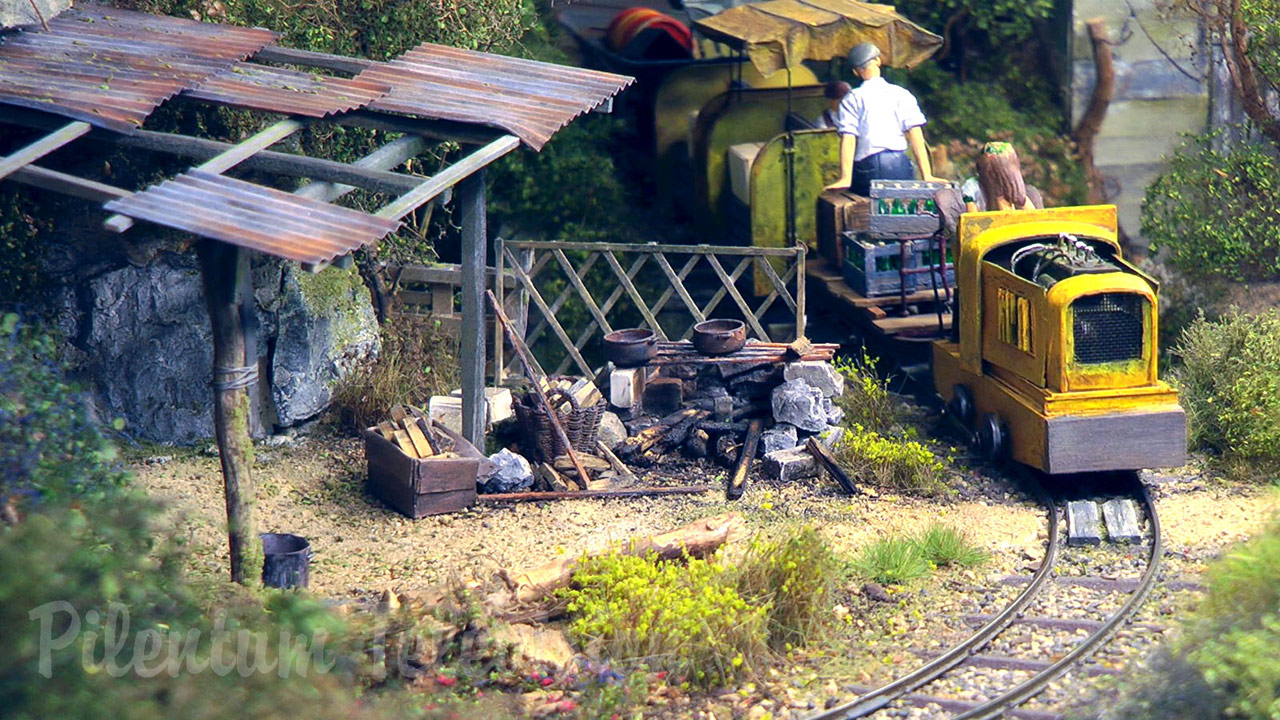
(225, 268)
(1091, 121)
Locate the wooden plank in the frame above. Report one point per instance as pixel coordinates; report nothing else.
(677, 284)
(911, 322)
(398, 413)
(827, 461)
(447, 178)
(421, 447)
(802, 310)
(738, 480)
(414, 297)
(634, 294)
(550, 317)
(442, 300)
(42, 147)
(620, 467)
(404, 443)
(444, 274)
(61, 182)
(595, 494)
(387, 430)
(730, 285)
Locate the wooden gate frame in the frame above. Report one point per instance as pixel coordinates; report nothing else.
(538, 254)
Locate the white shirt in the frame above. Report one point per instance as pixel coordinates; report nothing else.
(879, 114)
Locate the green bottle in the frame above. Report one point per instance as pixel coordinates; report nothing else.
(897, 207)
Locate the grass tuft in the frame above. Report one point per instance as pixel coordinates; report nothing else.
(891, 560)
(945, 546)
(794, 573)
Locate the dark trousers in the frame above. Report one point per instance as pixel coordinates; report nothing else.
(884, 165)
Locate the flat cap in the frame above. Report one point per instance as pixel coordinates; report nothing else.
(862, 54)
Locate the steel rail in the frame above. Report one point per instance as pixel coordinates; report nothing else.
(876, 699)
(1032, 687)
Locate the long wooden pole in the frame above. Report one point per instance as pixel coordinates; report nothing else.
(526, 359)
(471, 202)
(224, 268)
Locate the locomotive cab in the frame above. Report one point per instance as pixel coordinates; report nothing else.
(1055, 365)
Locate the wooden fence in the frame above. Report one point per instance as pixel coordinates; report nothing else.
(542, 268)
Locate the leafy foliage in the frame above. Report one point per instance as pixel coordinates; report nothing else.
(1216, 213)
(1229, 380)
(684, 618)
(980, 25)
(888, 461)
(794, 573)
(866, 400)
(1226, 662)
(49, 446)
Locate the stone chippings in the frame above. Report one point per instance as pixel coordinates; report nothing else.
(800, 404)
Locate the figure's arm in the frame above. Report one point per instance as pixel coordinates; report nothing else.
(848, 147)
(915, 142)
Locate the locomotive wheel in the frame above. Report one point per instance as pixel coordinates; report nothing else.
(961, 405)
(993, 438)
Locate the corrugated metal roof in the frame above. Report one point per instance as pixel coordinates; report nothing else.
(527, 98)
(254, 217)
(113, 67)
(286, 91)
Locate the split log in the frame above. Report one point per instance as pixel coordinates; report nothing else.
(699, 444)
(738, 480)
(563, 464)
(548, 476)
(671, 431)
(825, 459)
(699, 539)
(717, 428)
(623, 471)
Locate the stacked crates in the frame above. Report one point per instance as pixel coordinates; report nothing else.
(900, 209)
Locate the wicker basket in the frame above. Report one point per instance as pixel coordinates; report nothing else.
(540, 440)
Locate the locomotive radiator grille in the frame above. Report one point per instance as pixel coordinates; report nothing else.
(1107, 328)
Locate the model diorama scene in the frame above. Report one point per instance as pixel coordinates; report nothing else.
(625, 359)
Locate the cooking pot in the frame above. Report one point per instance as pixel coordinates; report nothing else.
(719, 337)
(630, 348)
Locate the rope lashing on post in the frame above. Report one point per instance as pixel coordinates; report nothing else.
(234, 378)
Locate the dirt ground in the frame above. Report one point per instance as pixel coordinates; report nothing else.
(314, 487)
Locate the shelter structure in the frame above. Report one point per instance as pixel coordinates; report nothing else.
(95, 74)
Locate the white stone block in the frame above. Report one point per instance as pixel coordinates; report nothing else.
(817, 373)
(626, 387)
(447, 410)
(498, 404)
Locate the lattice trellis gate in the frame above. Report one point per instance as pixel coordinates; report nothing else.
(616, 271)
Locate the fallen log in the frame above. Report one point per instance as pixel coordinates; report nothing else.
(738, 480)
(670, 432)
(824, 458)
(697, 539)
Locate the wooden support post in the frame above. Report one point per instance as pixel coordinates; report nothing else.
(474, 240)
(224, 268)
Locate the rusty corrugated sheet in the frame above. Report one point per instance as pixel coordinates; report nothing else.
(291, 92)
(113, 67)
(254, 217)
(529, 99)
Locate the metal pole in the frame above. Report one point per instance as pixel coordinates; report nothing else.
(471, 202)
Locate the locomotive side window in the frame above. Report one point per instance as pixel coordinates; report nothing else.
(1014, 319)
(1107, 327)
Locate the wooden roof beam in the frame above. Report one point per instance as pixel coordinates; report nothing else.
(42, 147)
(59, 182)
(228, 159)
(377, 179)
(447, 178)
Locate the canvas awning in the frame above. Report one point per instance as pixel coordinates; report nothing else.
(782, 33)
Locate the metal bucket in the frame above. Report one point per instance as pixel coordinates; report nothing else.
(286, 561)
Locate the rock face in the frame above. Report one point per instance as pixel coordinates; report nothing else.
(779, 437)
(817, 373)
(148, 349)
(144, 337)
(325, 328)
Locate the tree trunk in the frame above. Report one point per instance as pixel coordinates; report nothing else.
(225, 267)
(1091, 122)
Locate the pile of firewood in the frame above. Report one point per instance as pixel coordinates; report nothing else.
(582, 390)
(410, 430)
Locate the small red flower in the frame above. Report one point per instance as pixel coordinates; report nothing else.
(546, 681)
(446, 681)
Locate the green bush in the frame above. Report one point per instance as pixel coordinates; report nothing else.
(1228, 375)
(49, 446)
(866, 400)
(892, 560)
(794, 574)
(686, 618)
(1226, 661)
(889, 462)
(1216, 213)
(945, 546)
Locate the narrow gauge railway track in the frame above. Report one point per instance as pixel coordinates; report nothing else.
(964, 653)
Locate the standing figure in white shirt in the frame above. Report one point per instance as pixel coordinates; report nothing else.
(878, 122)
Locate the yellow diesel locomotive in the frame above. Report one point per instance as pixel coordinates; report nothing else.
(1054, 361)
